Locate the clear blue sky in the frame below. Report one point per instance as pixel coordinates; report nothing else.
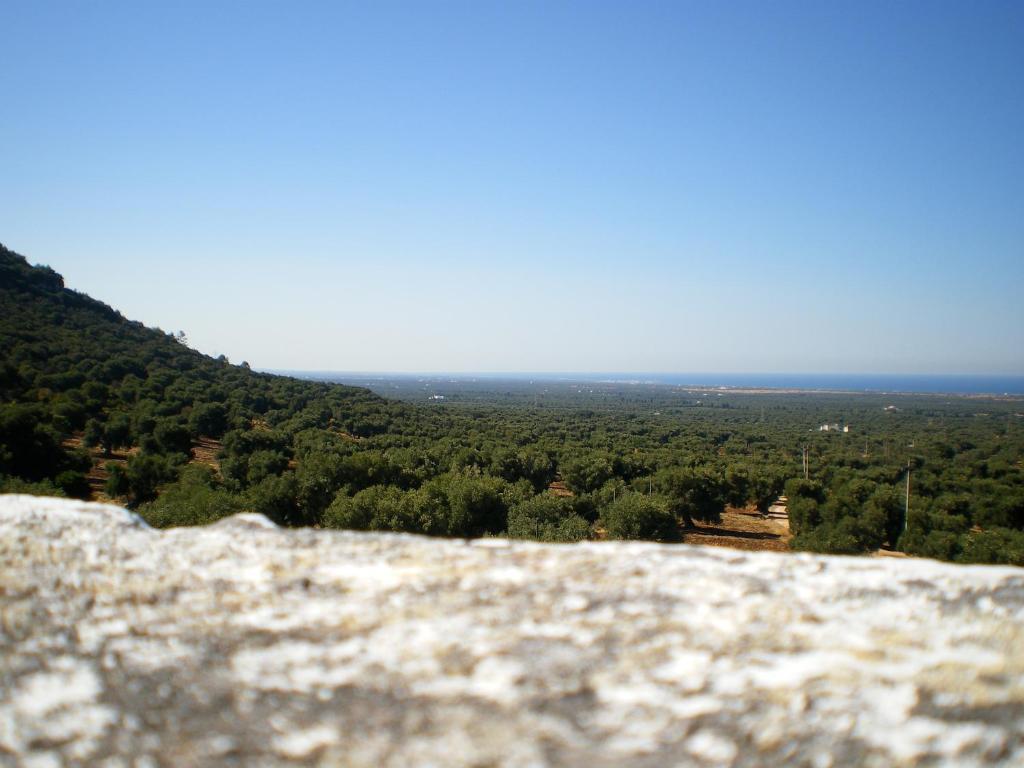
(830, 187)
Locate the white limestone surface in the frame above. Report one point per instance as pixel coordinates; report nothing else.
(245, 644)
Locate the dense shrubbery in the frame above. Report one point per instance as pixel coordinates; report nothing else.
(641, 463)
(638, 516)
(995, 545)
(854, 515)
(30, 448)
(546, 518)
(196, 498)
(141, 477)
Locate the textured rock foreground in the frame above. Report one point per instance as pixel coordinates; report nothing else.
(246, 644)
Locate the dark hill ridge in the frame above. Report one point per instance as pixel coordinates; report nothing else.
(53, 331)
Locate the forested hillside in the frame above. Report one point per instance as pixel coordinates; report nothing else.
(73, 366)
(184, 439)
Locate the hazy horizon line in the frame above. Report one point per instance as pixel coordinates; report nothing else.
(941, 374)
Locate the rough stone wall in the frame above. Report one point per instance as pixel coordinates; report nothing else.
(245, 644)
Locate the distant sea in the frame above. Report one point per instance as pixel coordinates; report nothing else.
(954, 384)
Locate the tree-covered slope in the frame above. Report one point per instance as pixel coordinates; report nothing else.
(62, 344)
(72, 365)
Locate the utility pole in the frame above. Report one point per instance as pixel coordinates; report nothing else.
(806, 463)
(906, 508)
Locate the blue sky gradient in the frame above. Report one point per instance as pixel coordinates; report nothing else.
(531, 186)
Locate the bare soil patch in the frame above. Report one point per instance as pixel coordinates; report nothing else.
(744, 529)
(204, 451)
(558, 488)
